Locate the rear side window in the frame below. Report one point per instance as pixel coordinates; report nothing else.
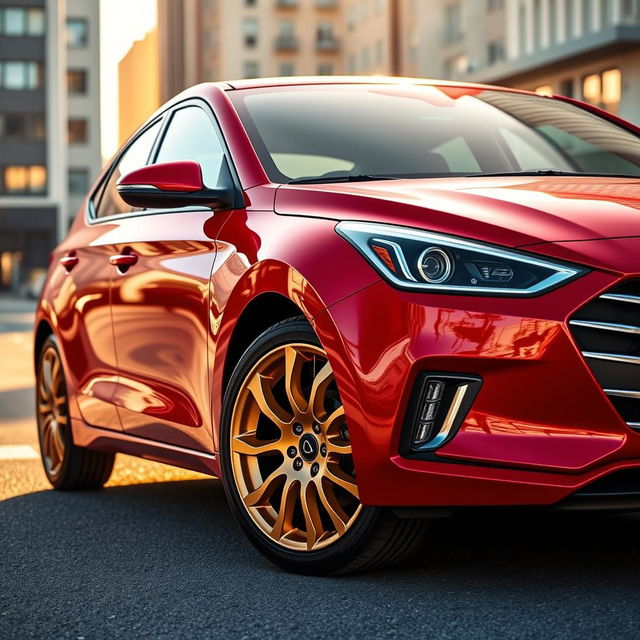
(137, 155)
(192, 136)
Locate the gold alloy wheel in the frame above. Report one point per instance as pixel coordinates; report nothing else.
(290, 449)
(52, 410)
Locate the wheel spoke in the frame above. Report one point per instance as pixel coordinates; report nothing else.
(284, 521)
(56, 378)
(57, 441)
(338, 517)
(338, 477)
(334, 419)
(260, 387)
(44, 407)
(249, 445)
(311, 513)
(318, 388)
(260, 495)
(294, 360)
(62, 419)
(339, 446)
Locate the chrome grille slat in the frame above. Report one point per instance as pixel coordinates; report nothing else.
(620, 297)
(606, 326)
(622, 393)
(612, 357)
(607, 332)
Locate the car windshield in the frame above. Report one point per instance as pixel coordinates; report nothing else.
(332, 133)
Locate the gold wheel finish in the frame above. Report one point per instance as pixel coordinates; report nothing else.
(290, 450)
(53, 417)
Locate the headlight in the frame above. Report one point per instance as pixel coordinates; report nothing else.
(425, 261)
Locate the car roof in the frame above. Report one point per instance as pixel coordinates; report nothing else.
(292, 81)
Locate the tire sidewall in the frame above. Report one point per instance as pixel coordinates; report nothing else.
(328, 559)
(58, 479)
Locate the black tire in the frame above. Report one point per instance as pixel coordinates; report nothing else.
(377, 538)
(79, 468)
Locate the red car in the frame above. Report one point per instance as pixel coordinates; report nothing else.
(359, 302)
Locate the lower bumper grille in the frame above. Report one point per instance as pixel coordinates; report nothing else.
(607, 330)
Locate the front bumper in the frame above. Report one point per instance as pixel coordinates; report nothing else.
(540, 428)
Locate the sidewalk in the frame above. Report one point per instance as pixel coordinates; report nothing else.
(16, 314)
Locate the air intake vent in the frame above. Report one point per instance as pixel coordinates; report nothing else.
(607, 331)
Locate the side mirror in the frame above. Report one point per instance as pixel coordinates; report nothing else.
(171, 185)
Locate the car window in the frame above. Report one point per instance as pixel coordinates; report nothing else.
(298, 165)
(192, 136)
(136, 156)
(416, 131)
(457, 155)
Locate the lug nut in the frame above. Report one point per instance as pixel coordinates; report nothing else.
(315, 467)
(323, 449)
(316, 427)
(297, 464)
(297, 429)
(292, 452)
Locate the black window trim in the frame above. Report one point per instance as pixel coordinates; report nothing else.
(164, 118)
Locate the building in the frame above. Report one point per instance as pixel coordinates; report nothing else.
(138, 84)
(204, 40)
(44, 105)
(83, 101)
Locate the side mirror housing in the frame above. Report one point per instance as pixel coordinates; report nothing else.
(171, 185)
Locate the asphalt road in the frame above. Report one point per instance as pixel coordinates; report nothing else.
(157, 555)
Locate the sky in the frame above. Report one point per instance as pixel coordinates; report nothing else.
(122, 22)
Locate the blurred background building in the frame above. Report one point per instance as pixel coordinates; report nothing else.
(50, 84)
(49, 127)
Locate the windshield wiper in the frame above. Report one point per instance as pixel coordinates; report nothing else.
(551, 172)
(347, 178)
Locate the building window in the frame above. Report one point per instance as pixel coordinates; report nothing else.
(453, 23)
(566, 88)
(77, 32)
(553, 21)
(325, 36)
(544, 90)
(78, 131)
(287, 69)
(351, 64)
(456, 66)
(365, 59)
(77, 81)
(325, 69)
(19, 21)
(22, 127)
(20, 74)
(603, 89)
(251, 69)
(495, 4)
(495, 51)
(24, 180)
(78, 181)
(249, 3)
(250, 32)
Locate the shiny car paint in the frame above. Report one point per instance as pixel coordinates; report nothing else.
(147, 347)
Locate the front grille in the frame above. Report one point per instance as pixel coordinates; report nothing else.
(607, 331)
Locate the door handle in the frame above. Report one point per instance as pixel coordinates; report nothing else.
(68, 262)
(123, 259)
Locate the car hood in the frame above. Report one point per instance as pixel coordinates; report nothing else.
(511, 211)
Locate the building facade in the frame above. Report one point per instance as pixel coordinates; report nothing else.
(49, 128)
(138, 85)
(204, 40)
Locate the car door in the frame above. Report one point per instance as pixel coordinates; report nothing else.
(85, 314)
(160, 300)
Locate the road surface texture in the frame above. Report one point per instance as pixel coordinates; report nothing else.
(157, 555)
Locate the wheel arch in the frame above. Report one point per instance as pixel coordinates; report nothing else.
(43, 331)
(263, 311)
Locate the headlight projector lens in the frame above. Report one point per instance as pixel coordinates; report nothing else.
(435, 265)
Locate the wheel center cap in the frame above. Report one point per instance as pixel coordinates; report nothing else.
(308, 447)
